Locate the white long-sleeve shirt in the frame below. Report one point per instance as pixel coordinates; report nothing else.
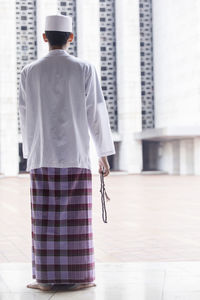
(60, 101)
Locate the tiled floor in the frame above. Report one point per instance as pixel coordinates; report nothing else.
(150, 218)
(148, 250)
(115, 281)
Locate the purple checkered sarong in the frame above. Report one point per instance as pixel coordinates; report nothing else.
(61, 218)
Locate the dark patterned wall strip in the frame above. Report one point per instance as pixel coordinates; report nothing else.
(146, 56)
(68, 7)
(108, 58)
(26, 37)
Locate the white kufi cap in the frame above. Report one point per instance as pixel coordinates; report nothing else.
(58, 23)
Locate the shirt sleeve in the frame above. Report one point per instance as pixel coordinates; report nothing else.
(22, 112)
(97, 115)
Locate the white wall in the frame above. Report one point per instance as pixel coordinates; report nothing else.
(128, 84)
(44, 8)
(88, 42)
(176, 26)
(9, 157)
(88, 46)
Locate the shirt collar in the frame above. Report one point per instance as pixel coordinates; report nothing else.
(57, 52)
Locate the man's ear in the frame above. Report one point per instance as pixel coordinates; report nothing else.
(45, 38)
(71, 37)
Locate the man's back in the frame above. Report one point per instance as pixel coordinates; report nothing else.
(62, 98)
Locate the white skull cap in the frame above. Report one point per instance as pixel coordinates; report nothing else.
(58, 23)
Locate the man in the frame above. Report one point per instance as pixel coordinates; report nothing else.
(60, 101)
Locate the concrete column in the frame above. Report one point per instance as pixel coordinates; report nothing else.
(186, 157)
(88, 46)
(88, 37)
(197, 156)
(128, 84)
(176, 156)
(8, 91)
(44, 8)
(165, 162)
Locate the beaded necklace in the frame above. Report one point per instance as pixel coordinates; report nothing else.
(103, 194)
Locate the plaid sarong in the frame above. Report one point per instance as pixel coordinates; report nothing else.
(61, 218)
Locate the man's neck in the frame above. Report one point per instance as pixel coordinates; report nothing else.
(54, 48)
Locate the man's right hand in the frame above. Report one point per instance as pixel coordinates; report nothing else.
(104, 166)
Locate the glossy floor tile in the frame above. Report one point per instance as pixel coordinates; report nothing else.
(150, 218)
(115, 281)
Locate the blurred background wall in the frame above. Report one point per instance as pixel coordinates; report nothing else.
(146, 55)
(173, 143)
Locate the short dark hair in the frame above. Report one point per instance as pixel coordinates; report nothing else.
(57, 38)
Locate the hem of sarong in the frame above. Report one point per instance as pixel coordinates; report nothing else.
(55, 164)
(64, 282)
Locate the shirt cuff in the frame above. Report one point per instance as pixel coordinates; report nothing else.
(107, 153)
